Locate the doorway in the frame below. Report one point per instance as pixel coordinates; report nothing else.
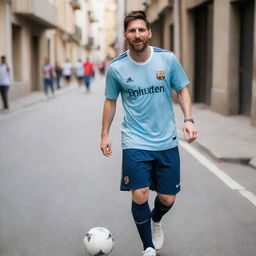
(246, 56)
(35, 64)
(16, 50)
(203, 16)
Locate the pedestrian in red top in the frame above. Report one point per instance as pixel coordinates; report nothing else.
(88, 73)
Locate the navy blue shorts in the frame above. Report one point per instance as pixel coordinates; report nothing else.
(159, 170)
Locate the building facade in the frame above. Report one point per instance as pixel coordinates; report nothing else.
(218, 47)
(216, 43)
(35, 30)
(102, 29)
(24, 24)
(56, 29)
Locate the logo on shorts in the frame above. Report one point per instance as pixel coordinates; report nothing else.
(160, 75)
(177, 186)
(126, 180)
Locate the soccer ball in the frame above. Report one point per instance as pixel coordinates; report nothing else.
(98, 241)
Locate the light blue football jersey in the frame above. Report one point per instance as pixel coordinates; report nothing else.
(146, 90)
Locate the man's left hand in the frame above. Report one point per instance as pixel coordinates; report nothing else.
(189, 131)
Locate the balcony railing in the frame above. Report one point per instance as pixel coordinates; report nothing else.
(75, 4)
(40, 11)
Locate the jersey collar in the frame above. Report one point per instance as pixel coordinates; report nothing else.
(141, 63)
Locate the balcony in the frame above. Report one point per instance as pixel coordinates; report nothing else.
(75, 4)
(42, 12)
(91, 17)
(78, 33)
(90, 43)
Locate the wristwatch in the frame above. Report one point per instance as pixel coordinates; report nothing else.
(189, 120)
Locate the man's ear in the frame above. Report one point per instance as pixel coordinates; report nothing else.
(124, 34)
(150, 33)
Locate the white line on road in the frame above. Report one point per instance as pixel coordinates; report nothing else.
(219, 173)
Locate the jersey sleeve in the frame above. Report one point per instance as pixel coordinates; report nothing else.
(179, 78)
(112, 86)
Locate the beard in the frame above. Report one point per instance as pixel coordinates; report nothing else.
(138, 45)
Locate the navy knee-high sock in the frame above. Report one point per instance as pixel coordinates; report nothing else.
(142, 218)
(159, 210)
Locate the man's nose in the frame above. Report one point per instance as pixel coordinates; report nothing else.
(137, 34)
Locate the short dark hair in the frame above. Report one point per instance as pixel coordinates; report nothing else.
(135, 15)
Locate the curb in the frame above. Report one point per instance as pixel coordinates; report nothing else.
(40, 99)
(245, 161)
(253, 162)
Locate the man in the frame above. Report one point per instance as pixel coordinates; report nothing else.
(145, 77)
(67, 71)
(5, 82)
(88, 73)
(48, 77)
(79, 67)
(58, 74)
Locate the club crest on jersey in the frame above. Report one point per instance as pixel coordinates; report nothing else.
(160, 75)
(126, 180)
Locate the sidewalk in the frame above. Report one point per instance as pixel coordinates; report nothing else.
(226, 138)
(37, 97)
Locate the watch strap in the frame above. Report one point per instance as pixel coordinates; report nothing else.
(189, 120)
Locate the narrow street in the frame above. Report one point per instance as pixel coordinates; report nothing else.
(55, 185)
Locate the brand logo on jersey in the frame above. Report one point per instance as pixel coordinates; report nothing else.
(160, 75)
(126, 180)
(129, 80)
(144, 91)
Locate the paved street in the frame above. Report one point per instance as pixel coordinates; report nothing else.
(55, 185)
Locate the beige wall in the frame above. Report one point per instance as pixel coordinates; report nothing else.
(193, 3)
(110, 29)
(187, 42)
(155, 8)
(66, 16)
(167, 22)
(133, 5)
(220, 92)
(23, 65)
(5, 29)
(43, 11)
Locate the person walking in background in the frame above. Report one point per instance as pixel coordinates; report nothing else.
(102, 67)
(88, 73)
(58, 74)
(48, 77)
(145, 77)
(67, 71)
(79, 67)
(5, 82)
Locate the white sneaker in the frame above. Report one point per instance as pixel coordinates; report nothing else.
(157, 235)
(149, 252)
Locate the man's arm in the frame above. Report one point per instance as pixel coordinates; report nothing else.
(107, 118)
(189, 129)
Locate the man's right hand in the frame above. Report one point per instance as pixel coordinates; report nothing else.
(105, 146)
